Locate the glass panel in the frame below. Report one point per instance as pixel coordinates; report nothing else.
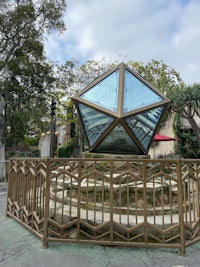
(95, 122)
(118, 141)
(137, 94)
(144, 124)
(105, 93)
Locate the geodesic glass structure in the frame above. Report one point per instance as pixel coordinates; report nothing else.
(120, 112)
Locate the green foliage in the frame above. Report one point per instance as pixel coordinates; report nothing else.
(160, 75)
(31, 141)
(26, 77)
(186, 103)
(187, 145)
(67, 150)
(32, 152)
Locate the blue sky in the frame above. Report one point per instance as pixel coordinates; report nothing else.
(138, 30)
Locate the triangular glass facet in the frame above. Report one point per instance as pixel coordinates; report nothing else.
(144, 124)
(137, 94)
(95, 122)
(105, 93)
(118, 141)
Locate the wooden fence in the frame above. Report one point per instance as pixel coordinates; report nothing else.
(140, 202)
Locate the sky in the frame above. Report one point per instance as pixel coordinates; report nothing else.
(136, 30)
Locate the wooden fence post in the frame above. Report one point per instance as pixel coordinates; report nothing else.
(46, 207)
(180, 207)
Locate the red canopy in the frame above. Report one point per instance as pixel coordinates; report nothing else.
(159, 137)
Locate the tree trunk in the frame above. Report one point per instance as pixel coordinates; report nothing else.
(2, 138)
(195, 128)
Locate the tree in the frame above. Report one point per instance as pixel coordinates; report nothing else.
(25, 74)
(187, 145)
(160, 75)
(73, 76)
(186, 103)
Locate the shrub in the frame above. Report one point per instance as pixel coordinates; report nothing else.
(67, 150)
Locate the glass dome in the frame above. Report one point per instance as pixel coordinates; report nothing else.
(120, 112)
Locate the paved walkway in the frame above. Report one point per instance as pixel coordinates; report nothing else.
(20, 248)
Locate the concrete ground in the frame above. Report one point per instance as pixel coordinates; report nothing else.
(20, 248)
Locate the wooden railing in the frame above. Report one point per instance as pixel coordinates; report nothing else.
(140, 202)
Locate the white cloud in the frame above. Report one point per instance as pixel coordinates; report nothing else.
(142, 30)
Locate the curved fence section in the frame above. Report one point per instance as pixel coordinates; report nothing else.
(140, 202)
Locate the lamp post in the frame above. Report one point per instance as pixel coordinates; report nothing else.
(53, 124)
